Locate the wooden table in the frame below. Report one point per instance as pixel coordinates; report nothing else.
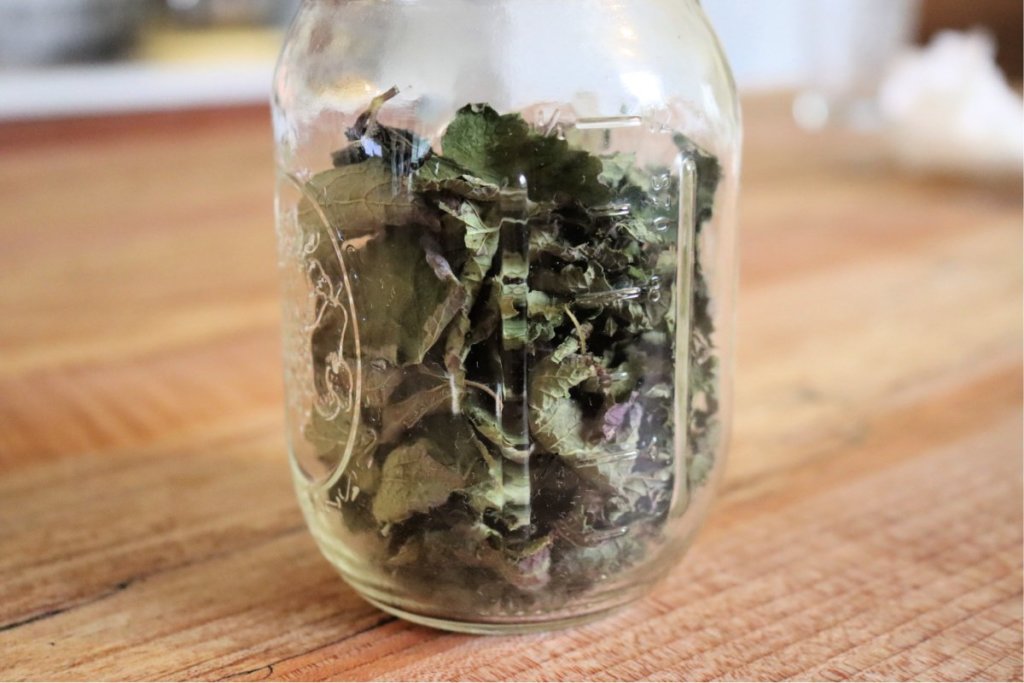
(869, 525)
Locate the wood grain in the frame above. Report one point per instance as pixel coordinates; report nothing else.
(869, 526)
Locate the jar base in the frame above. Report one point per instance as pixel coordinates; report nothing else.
(492, 628)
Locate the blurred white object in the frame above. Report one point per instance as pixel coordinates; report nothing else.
(948, 108)
(850, 45)
(764, 40)
(88, 90)
(832, 49)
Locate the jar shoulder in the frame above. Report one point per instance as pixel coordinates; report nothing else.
(601, 58)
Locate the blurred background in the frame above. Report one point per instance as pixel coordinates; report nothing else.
(74, 57)
(853, 63)
(88, 56)
(146, 520)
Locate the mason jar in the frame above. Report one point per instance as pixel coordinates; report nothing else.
(507, 251)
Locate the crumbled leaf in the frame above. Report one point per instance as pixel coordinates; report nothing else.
(411, 481)
(514, 305)
(481, 242)
(355, 201)
(397, 418)
(439, 175)
(491, 430)
(503, 149)
(379, 382)
(329, 437)
(555, 416)
(406, 294)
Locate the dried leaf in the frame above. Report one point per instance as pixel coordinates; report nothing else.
(411, 481)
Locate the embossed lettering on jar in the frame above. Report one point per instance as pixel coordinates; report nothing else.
(506, 246)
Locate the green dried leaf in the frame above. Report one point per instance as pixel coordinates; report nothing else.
(486, 316)
(571, 281)
(620, 172)
(502, 149)
(489, 428)
(355, 201)
(330, 436)
(397, 418)
(412, 481)
(514, 264)
(380, 381)
(405, 295)
(443, 176)
(546, 316)
(555, 417)
(481, 242)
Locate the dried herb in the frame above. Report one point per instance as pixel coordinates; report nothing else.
(515, 306)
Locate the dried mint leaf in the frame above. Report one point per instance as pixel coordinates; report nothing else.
(439, 175)
(354, 201)
(555, 416)
(412, 481)
(504, 150)
(481, 240)
(329, 436)
(406, 294)
(397, 418)
(516, 306)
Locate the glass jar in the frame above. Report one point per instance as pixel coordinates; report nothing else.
(506, 241)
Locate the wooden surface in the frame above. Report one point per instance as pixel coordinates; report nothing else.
(869, 526)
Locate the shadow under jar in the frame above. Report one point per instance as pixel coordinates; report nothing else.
(506, 242)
